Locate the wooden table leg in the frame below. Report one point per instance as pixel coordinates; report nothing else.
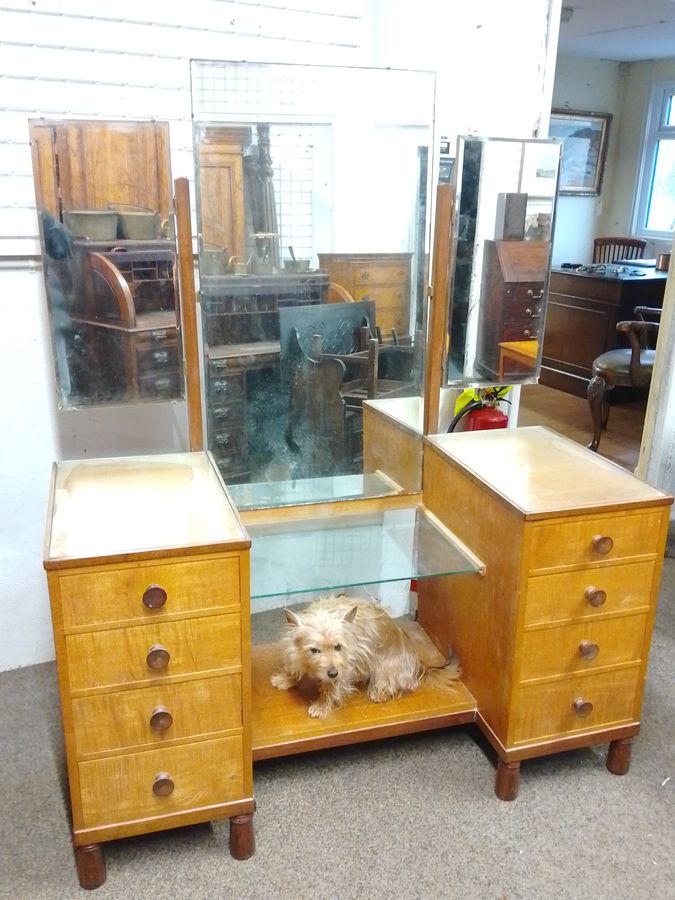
(90, 866)
(618, 756)
(507, 780)
(242, 837)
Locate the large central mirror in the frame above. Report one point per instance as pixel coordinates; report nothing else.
(502, 236)
(312, 192)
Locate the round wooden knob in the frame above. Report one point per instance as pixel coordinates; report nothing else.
(162, 785)
(594, 596)
(582, 707)
(602, 543)
(158, 657)
(588, 650)
(161, 719)
(154, 596)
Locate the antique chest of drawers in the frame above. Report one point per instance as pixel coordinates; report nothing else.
(384, 278)
(148, 574)
(554, 639)
(514, 277)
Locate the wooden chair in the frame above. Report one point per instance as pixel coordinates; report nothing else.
(611, 249)
(626, 366)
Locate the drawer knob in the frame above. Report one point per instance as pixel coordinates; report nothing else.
(158, 657)
(161, 719)
(162, 785)
(582, 707)
(602, 543)
(595, 596)
(154, 596)
(588, 650)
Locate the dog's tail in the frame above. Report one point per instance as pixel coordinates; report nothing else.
(445, 677)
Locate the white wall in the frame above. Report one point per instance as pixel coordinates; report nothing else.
(76, 59)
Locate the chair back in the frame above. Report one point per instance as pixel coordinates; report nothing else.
(611, 249)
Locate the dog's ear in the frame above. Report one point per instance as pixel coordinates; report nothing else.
(292, 618)
(349, 617)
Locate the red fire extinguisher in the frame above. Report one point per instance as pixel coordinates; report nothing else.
(484, 417)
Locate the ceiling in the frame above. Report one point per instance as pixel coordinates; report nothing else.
(622, 30)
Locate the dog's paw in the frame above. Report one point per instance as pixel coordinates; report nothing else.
(319, 710)
(281, 681)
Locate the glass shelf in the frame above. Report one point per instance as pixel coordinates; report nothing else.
(346, 550)
(264, 494)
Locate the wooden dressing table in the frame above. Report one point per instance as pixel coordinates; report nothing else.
(541, 571)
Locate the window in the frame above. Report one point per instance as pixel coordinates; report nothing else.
(655, 200)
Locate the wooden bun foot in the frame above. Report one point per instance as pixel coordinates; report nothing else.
(507, 780)
(618, 756)
(90, 866)
(242, 837)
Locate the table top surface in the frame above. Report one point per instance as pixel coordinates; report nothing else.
(541, 473)
(124, 506)
(614, 272)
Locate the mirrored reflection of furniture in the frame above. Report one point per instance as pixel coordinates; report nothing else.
(501, 241)
(611, 249)
(246, 406)
(626, 367)
(512, 300)
(148, 570)
(126, 318)
(100, 177)
(583, 309)
(384, 278)
(278, 153)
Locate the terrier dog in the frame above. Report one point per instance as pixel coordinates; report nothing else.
(342, 643)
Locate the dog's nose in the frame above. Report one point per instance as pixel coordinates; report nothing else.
(332, 673)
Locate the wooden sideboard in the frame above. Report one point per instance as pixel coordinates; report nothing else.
(582, 312)
(541, 571)
(148, 572)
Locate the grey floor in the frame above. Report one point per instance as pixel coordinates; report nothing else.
(410, 817)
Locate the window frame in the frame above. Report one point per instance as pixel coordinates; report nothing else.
(655, 131)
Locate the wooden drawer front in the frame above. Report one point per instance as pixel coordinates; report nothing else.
(567, 595)
(383, 297)
(380, 274)
(117, 656)
(547, 709)
(116, 594)
(119, 788)
(571, 544)
(607, 642)
(122, 720)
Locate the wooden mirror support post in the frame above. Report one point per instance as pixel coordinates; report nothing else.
(188, 313)
(438, 306)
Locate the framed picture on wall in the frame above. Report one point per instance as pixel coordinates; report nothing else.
(584, 147)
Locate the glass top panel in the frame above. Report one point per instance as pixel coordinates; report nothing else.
(263, 494)
(313, 239)
(343, 551)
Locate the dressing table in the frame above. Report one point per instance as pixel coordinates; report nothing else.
(536, 560)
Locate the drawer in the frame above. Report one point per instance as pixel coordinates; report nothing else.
(520, 330)
(547, 709)
(125, 719)
(571, 543)
(160, 384)
(225, 386)
(572, 595)
(117, 594)
(158, 358)
(225, 442)
(118, 656)
(529, 291)
(384, 297)
(120, 788)
(222, 415)
(582, 647)
(393, 273)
